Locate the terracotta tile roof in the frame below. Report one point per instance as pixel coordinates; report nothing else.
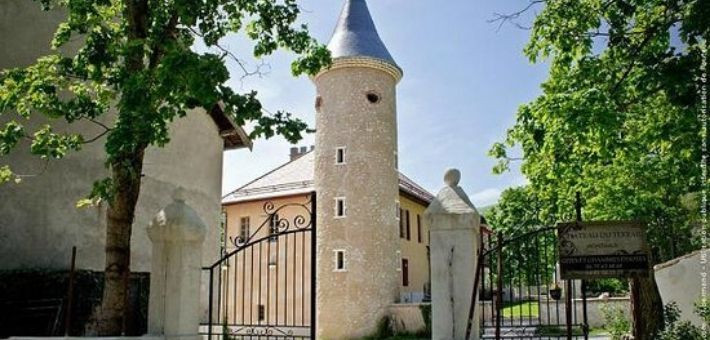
(296, 177)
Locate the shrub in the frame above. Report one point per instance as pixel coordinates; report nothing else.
(384, 329)
(674, 329)
(426, 315)
(615, 321)
(702, 308)
(610, 285)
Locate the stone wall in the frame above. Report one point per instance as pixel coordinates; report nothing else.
(32, 302)
(554, 312)
(595, 315)
(39, 220)
(682, 280)
(407, 317)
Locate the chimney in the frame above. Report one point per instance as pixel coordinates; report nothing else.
(297, 152)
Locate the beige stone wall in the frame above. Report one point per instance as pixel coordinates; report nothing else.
(415, 252)
(38, 220)
(369, 183)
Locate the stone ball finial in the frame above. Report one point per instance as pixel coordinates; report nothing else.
(452, 177)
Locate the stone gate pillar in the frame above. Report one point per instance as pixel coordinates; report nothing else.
(455, 236)
(177, 233)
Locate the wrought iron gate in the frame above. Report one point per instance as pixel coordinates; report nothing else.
(520, 295)
(264, 287)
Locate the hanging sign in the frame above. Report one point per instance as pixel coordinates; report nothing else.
(592, 250)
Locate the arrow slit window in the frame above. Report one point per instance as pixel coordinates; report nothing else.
(339, 260)
(340, 155)
(340, 208)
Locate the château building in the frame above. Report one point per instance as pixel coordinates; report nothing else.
(372, 242)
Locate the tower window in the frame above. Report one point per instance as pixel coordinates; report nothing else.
(397, 211)
(399, 260)
(339, 260)
(373, 97)
(340, 155)
(340, 208)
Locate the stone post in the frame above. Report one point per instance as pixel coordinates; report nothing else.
(455, 229)
(177, 233)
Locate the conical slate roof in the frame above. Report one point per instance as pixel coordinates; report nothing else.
(355, 34)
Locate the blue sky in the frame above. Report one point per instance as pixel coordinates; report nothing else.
(463, 81)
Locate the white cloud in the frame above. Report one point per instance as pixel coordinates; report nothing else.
(486, 197)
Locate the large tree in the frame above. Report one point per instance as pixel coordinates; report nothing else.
(136, 60)
(620, 118)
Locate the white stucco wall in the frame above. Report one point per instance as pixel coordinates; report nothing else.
(684, 280)
(38, 220)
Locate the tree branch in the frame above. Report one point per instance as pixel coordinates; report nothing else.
(242, 64)
(42, 171)
(99, 124)
(97, 137)
(504, 18)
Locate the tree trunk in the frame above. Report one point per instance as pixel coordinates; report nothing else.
(650, 308)
(109, 318)
(126, 168)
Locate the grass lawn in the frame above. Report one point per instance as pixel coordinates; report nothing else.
(521, 309)
(598, 331)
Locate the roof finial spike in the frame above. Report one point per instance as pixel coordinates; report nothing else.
(355, 34)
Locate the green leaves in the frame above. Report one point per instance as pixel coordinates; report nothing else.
(48, 144)
(618, 117)
(102, 190)
(9, 136)
(280, 123)
(5, 174)
(128, 68)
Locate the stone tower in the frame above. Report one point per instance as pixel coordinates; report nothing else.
(356, 179)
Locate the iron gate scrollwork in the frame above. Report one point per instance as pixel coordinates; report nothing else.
(520, 294)
(264, 284)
